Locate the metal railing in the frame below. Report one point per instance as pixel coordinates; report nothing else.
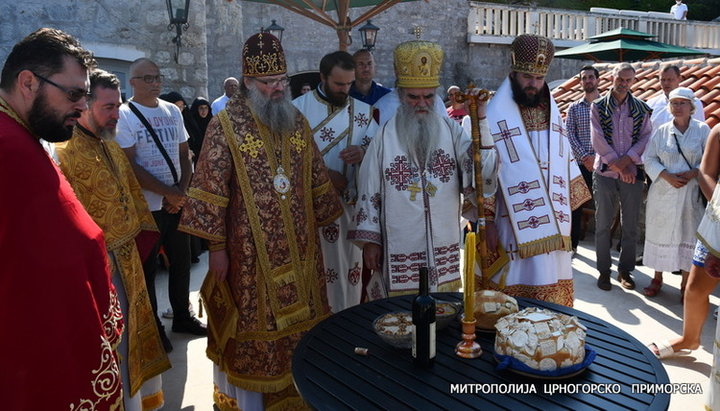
(492, 19)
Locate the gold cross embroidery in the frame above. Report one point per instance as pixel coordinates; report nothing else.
(298, 142)
(414, 188)
(430, 189)
(251, 145)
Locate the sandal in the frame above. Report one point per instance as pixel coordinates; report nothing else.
(653, 288)
(664, 349)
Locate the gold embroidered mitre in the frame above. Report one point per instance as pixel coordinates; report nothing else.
(532, 54)
(417, 64)
(263, 55)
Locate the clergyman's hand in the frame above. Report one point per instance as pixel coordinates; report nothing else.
(352, 155)
(491, 236)
(372, 256)
(218, 264)
(481, 104)
(338, 181)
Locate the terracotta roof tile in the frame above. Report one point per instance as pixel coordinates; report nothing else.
(700, 74)
(713, 107)
(699, 60)
(697, 84)
(711, 83)
(714, 70)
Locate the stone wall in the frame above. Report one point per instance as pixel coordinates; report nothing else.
(306, 41)
(218, 28)
(224, 43)
(119, 32)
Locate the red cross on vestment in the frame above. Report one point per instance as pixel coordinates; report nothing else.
(506, 135)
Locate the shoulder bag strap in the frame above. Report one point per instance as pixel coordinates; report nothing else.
(156, 140)
(681, 152)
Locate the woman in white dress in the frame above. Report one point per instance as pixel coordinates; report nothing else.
(674, 206)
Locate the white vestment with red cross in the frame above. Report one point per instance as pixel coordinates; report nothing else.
(335, 129)
(533, 206)
(413, 212)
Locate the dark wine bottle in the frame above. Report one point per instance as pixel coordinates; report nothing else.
(423, 318)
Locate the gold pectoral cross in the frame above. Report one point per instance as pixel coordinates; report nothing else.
(414, 188)
(430, 189)
(251, 145)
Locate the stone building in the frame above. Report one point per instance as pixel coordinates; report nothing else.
(118, 33)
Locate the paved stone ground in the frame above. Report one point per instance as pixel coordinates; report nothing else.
(188, 385)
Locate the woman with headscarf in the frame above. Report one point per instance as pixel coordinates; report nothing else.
(201, 114)
(674, 206)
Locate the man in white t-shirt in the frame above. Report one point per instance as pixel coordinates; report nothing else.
(164, 187)
(230, 85)
(679, 10)
(670, 79)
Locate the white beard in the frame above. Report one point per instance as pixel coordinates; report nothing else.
(418, 132)
(278, 115)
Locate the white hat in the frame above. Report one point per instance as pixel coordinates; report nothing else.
(683, 93)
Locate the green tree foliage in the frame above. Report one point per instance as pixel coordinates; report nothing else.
(697, 9)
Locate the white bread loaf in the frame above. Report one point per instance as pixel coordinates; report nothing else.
(491, 306)
(542, 339)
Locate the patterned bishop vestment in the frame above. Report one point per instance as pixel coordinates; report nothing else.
(539, 186)
(334, 129)
(273, 292)
(413, 212)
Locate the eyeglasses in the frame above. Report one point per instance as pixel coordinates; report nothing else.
(73, 94)
(151, 79)
(275, 82)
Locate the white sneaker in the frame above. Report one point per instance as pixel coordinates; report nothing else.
(169, 312)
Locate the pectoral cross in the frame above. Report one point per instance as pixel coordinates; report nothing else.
(251, 145)
(414, 188)
(431, 189)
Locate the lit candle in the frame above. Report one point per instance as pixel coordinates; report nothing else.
(469, 277)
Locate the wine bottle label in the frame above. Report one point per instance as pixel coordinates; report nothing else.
(432, 340)
(414, 341)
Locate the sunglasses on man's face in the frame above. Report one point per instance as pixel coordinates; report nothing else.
(149, 79)
(73, 94)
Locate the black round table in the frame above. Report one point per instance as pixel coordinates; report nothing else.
(329, 375)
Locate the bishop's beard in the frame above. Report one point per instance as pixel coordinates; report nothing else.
(418, 133)
(522, 98)
(277, 114)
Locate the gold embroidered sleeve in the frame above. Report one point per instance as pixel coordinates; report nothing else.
(204, 212)
(579, 192)
(147, 222)
(326, 202)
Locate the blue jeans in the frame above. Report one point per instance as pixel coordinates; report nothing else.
(608, 192)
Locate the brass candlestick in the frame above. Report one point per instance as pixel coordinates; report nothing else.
(468, 348)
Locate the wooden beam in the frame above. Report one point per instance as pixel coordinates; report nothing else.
(322, 19)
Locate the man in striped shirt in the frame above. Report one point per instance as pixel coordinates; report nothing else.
(577, 124)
